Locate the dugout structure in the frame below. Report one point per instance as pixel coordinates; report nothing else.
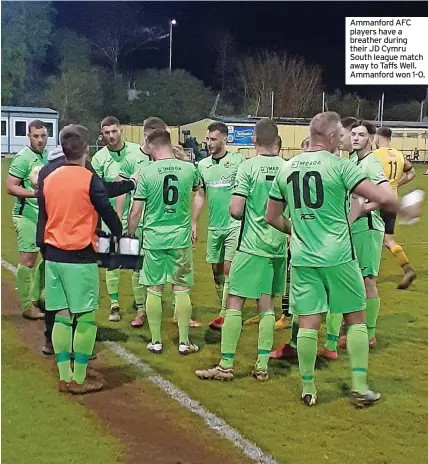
(14, 127)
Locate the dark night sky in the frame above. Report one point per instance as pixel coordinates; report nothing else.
(314, 30)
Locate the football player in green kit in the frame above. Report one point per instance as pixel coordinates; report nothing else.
(24, 216)
(107, 163)
(325, 274)
(163, 198)
(136, 161)
(258, 268)
(218, 173)
(369, 229)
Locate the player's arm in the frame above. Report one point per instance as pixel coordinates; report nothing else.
(135, 215)
(15, 189)
(42, 215)
(276, 206)
(383, 197)
(17, 172)
(137, 206)
(198, 203)
(237, 206)
(240, 192)
(408, 173)
(114, 189)
(99, 199)
(275, 215)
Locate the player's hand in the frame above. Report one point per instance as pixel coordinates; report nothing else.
(194, 233)
(179, 153)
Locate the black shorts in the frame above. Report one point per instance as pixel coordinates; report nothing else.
(389, 220)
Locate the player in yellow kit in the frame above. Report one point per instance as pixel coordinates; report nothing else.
(399, 171)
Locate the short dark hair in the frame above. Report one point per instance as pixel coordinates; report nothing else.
(371, 128)
(110, 121)
(266, 133)
(349, 122)
(279, 145)
(154, 123)
(384, 132)
(160, 137)
(36, 124)
(74, 141)
(218, 126)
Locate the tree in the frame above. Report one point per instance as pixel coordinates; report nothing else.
(295, 84)
(403, 111)
(120, 36)
(178, 98)
(75, 91)
(223, 44)
(26, 36)
(350, 104)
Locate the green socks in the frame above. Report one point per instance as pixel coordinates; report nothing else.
(358, 350)
(266, 334)
(112, 281)
(307, 341)
(230, 333)
(84, 342)
(24, 279)
(294, 331)
(62, 334)
(154, 314)
(333, 330)
(219, 287)
(140, 292)
(183, 311)
(38, 282)
(372, 311)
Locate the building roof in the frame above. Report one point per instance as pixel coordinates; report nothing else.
(27, 109)
(306, 121)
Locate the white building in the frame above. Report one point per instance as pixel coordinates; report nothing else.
(14, 126)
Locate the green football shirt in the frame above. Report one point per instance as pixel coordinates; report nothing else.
(218, 177)
(316, 186)
(107, 165)
(253, 181)
(22, 165)
(373, 169)
(166, 188)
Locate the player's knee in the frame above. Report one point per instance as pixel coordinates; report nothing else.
(217, 278)
(227, 265)
(389, 242)
(28, 259)
(371, 288)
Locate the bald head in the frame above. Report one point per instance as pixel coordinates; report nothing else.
(324, 131)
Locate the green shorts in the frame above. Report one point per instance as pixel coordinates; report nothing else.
(368, 247)
(26, 233)
(339, 289)
(71, 286)
(168, 266)
(222, 244)
(252, 276)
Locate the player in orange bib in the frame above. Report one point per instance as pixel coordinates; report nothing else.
(399, 172)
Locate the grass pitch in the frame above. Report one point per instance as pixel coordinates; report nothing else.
(394, 431)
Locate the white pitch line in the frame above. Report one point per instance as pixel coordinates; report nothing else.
(216, 424)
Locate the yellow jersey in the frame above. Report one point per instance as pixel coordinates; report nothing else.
(393, 162)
